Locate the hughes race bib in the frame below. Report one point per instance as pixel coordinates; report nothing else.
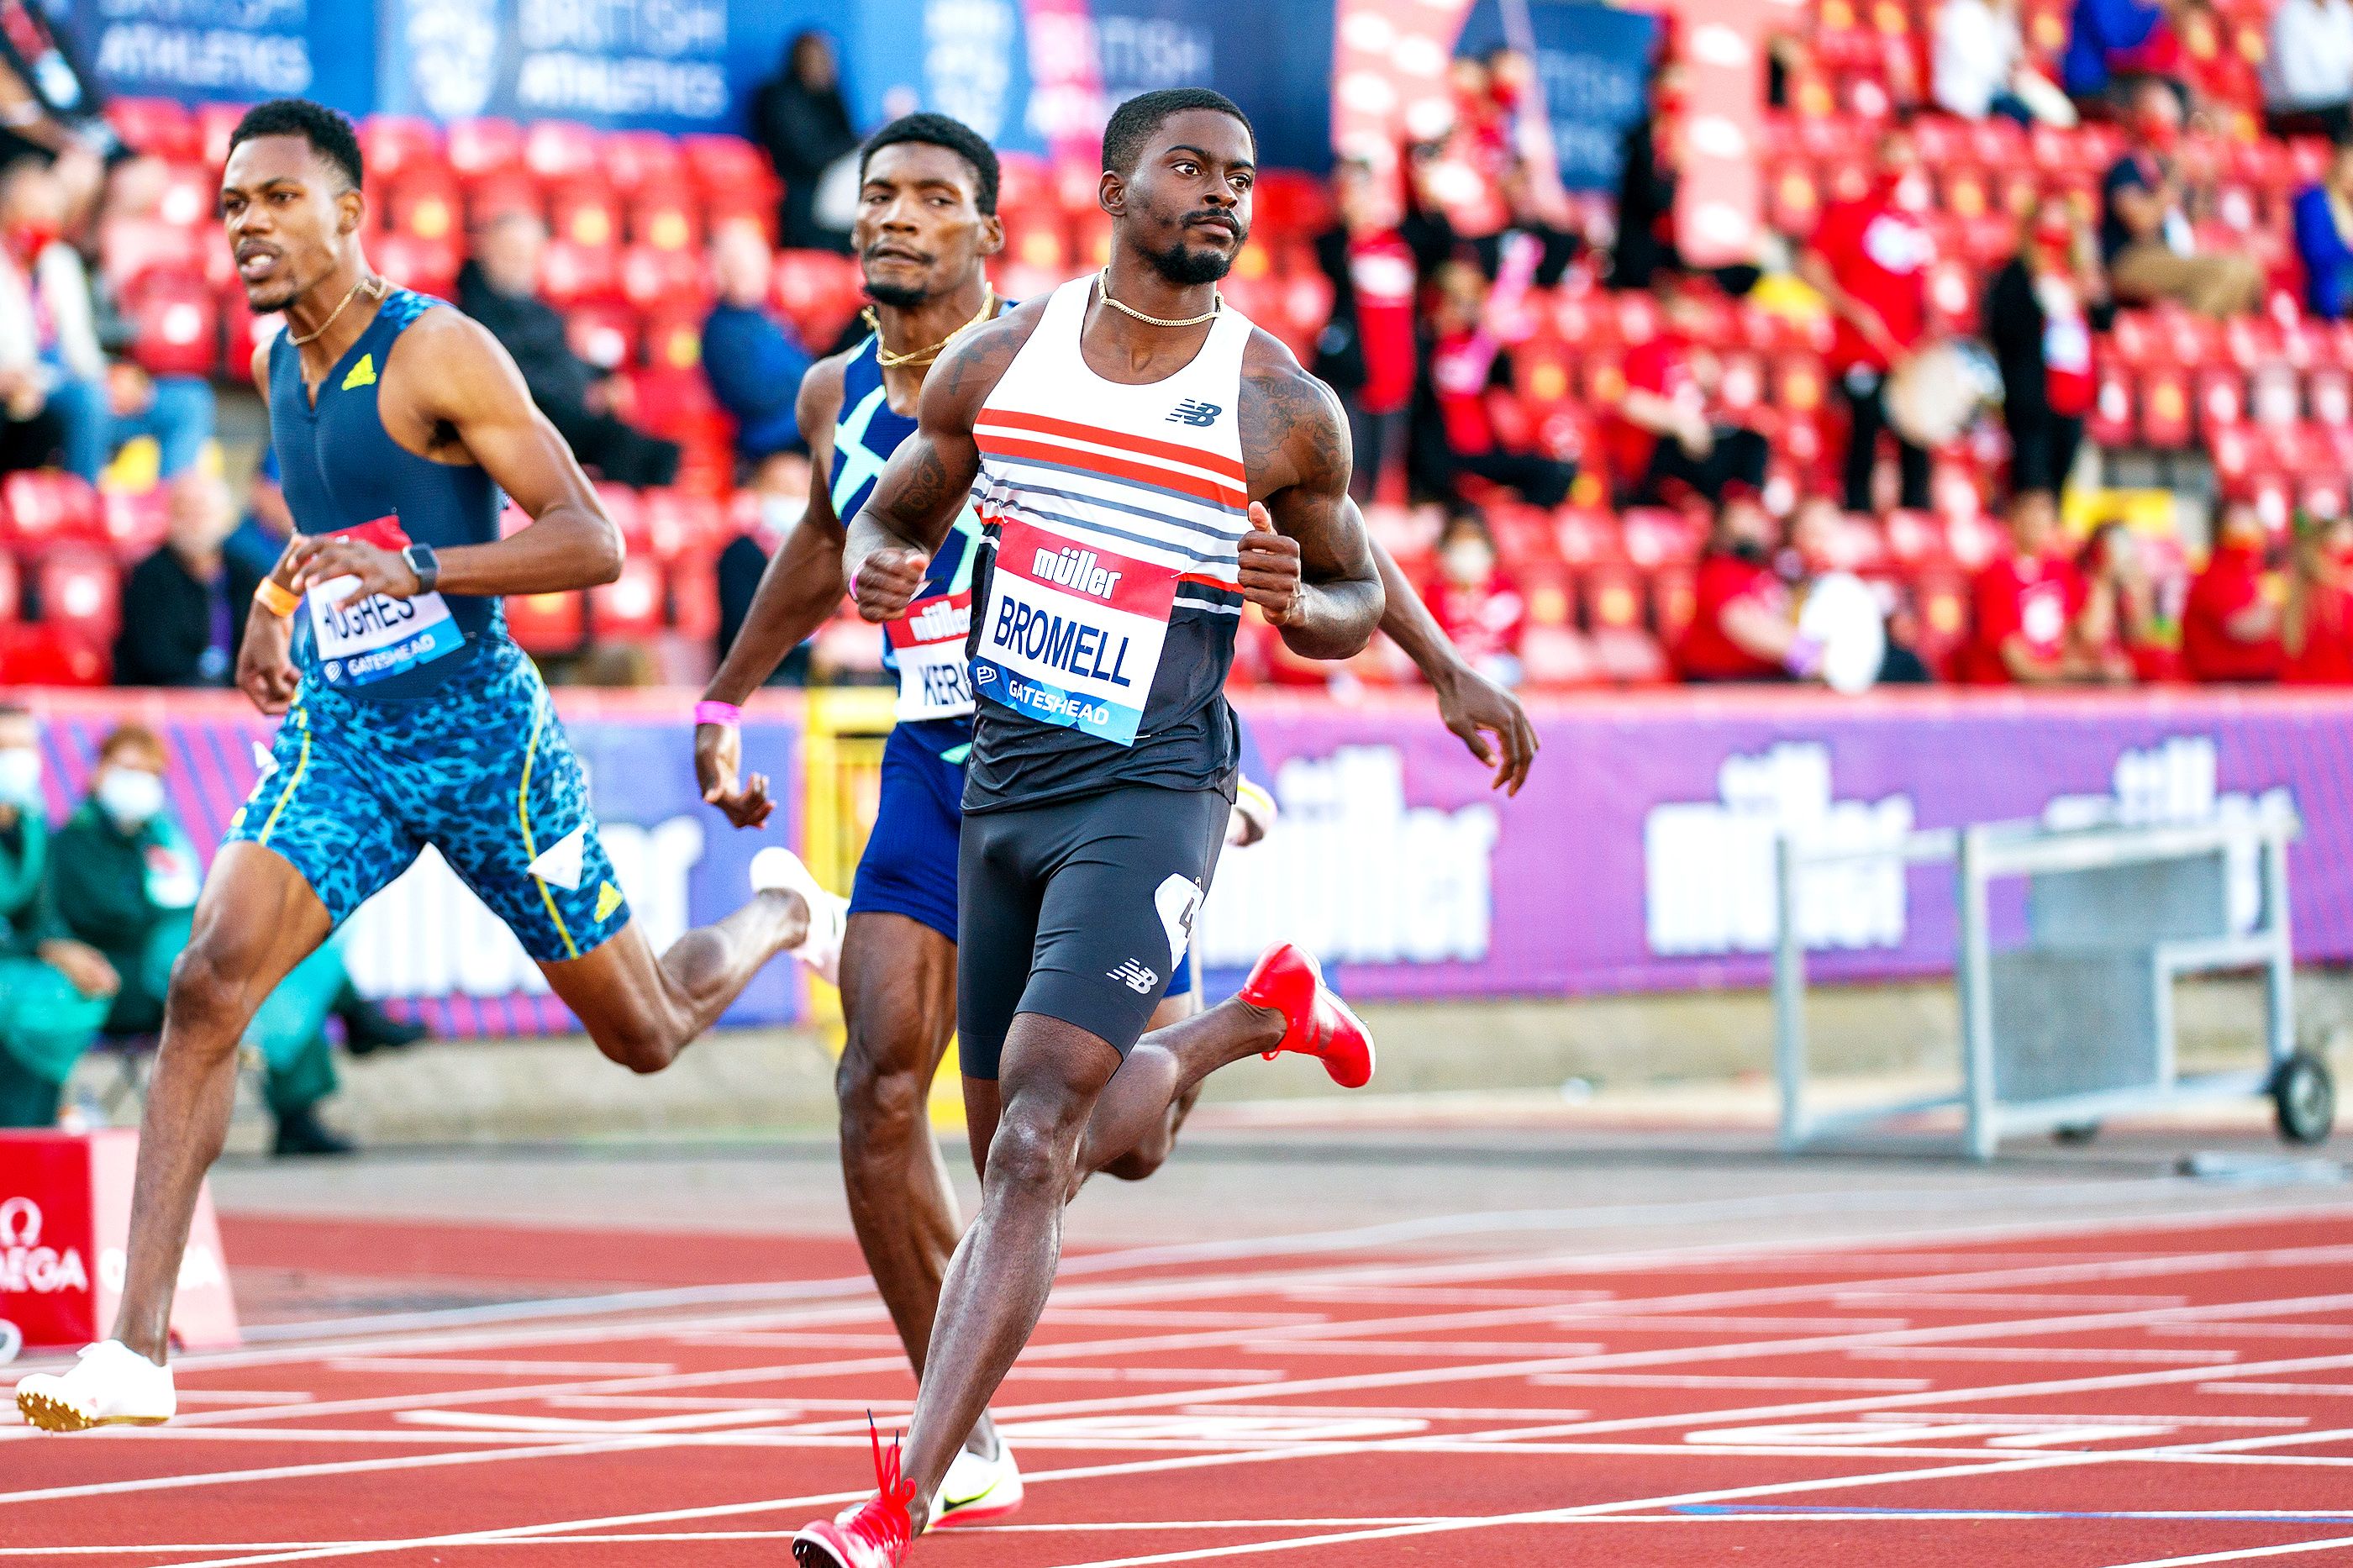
(380, 637)
(1072, 635)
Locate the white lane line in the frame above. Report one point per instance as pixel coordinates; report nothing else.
(2299, 1390)
(2050, 1353)
(495, 1368)
(1726, 1379)
(2291, 1550)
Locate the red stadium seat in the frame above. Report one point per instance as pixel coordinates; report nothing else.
(570, 273)
(131, 248)
(1630, 656)
(547, 623)
(216, 122)
(642, 160)
(1940, 601)
(41, 654)
(428, 266)
(499, 192)
(741, 204)
(820, 291)
(725, 164)
(392, 146)
(135, 520)
(2165, 409)
(158, 127)
(46, 508)
(2276, 393)
(1039, 239)
(694, 594)
(1656, 536)
(240, 331)
(1675, 596)
(666, 217)
(631, 607)
(674, 337)
(1914, 539)
(2330, 394)
(190, 198)
(1585, 535)
(651, 276)
(425, 202)
(1609, 597)
(2114, 419)
(2221, 399)
(585, 212)
(80, 590)
(176, 326)
(679, 524)
(11, 589)
(558, 150)
(603, 333)
(480, 147)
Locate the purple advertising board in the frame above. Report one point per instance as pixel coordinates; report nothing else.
(1638, 858)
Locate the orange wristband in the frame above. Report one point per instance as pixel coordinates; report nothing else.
(280, 602)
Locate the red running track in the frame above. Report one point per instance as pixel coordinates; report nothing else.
(2145, 1395)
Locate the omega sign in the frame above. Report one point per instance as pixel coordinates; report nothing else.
(25, 1266)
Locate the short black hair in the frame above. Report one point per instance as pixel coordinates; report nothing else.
(941, 131)
(1133, 122)
(329, 133)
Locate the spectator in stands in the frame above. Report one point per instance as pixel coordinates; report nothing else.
(2230, 624)
(800, 117)
(54, 992)
(1869, 259)
(746, 559)
(2027, 609)
(2114, 44)
(1369, 350)
(1976, 58)
(1476, 601)
(1476, 426)
(500, 288)
(2040, 314)
(1813, 551)
(2122, 625)
(260, 537)
(2308, 71)
(51, 108)
(184, 607)
(1743, 627)
(127, 877)
(47, 323)
(2316, 626)
(2323, 238)
(1650, 175)
(2145, 236)
(754, 363)
(1661, 439)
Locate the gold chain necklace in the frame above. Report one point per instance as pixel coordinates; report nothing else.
(371, 282)
(889, 361)
(1217, 303)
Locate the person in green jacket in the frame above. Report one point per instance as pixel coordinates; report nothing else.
(126, 878)
(53, 991)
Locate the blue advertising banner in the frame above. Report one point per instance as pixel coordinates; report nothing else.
(229, 50)
(1594, 64)
(659, 63)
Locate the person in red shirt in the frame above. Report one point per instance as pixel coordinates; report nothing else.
(1476, 602)
(1660, 438)
(1477, 427)
(2231, 623)
(2027, 610)
(1368, 350)
(1743, 627)
(2317, 629)
(1869, 259)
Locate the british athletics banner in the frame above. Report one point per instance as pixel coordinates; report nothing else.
(1638, 858)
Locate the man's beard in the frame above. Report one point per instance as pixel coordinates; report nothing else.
(1185, 267)
(898, 296)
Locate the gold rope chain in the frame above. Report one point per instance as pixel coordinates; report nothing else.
(1217, 303)
(376, 289)
(889, 361)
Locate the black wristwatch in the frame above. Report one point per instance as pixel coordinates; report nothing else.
(424, 563)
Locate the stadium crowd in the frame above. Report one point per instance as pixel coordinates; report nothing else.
(1609, 468)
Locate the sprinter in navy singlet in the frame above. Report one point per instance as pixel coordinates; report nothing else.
(411, 719)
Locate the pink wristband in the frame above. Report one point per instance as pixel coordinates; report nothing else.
(710, 713)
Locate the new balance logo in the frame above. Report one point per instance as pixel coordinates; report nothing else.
(1136, 977)
(1194, 411)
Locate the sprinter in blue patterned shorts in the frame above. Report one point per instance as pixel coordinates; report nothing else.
(411, 719)
(926, 226)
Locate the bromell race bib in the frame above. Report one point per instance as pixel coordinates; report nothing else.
(1072, 634)
(380, 637)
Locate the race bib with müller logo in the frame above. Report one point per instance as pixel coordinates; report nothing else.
(1072, 635)
(380, 637)
(927, 645)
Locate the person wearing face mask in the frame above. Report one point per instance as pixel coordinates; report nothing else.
(1743, 625)
(126, 877)
(2040, 315)
(2230, 624)
(183, 606)
(1476, 603)
(55, 991)
(2145, 235)
(1869, 259)
(47, 332)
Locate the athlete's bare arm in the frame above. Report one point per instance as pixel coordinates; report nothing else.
(797, 594)
(1313, 573)
(1472, 706)
(265, 660)
(929, 478)
(450, 392)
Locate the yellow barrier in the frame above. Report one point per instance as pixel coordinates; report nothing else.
(841, 791)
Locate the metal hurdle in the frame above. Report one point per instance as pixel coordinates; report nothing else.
(2077, 1023)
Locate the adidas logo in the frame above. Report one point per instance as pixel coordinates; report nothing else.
(1136, 977)
(1196, 413)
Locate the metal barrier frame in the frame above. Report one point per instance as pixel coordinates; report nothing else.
(1983, 852)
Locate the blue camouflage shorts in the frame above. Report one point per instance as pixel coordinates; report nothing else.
(480, 770)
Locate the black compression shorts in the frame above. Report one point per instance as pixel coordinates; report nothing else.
(1079, 910)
